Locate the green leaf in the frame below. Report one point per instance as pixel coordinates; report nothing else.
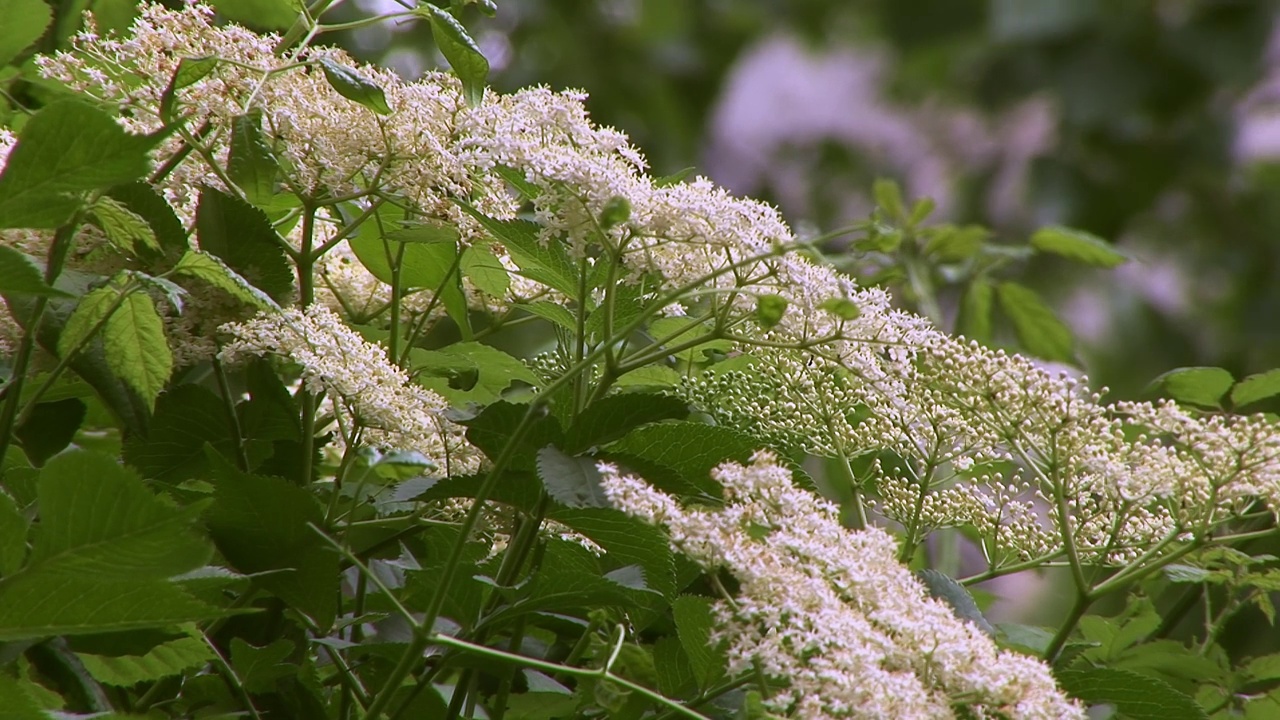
(186, 418)
(975, 311)
(136, 347)
(695, 623)
(486, 273)
(843, 308)
(24, 22)
(571, 481)
(264, 525)
(1204, 386)
(674, 178)
(191, 70)
(948, 243)
(677, 457)
(166, 659)
(13, 536)
(125, 229)
(265, 14)
(769, 310)
(1139, 697)
(249, 163)
(65, 150)
(1255, 388)
(627, 542)
(1038, 328)
(946, 589)
(492, 428)
(260, 668)
(17, 699)
(90, 311)
(557, 314)
(673, 331)
(353, 86)
(649, 376)
(242, 236)
(569, 580)
(92, 605)
(19, 275)
(547, 263)
(429, 265)
(888, 197)
(1263, 669)
(1077, 245)
(142, 200)
(99, 521)
(493, 369)
(460, 50)
(612, 417)
(49, 428)
(675, 672)
(212, 270)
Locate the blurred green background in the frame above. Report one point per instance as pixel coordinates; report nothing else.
(1152, 124)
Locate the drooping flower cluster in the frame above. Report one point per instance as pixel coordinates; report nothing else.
(831, 613)
(357, 376)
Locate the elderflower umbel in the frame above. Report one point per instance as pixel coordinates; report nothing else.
(829, 613)
(358, 377)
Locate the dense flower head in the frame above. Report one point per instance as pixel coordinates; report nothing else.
(831, 612)
(360, 380)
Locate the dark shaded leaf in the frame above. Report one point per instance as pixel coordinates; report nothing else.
(50, 428)
(571, 481)
(1139, 697)
(353, 86)
(612, 417)
(242, 236)
(264, 525)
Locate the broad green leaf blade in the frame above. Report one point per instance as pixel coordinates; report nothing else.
(24, 23)
(191, 70)
(484, 270)
(13, 536)
(695, 624)
(547, 263)
(612, 417)
(770, 310)
(353, 86)
(1138, 697)
(99, 521)
(50, 428)
(186, 418)
(260, 667)
(627, 541)
(490, 371)
(167, 659)
(19, 275)
(888, 197)
(975, 311)
(125, 229)
(137, 349)
(949, 243)
(551, 312)
(492, 428)
(460, 50)
(264, 524)
(249, 163)
(212, 270)
(571, 481)
(89, 313)
(143, 200)
(1255, 388)
(64, 151)
(1077, 245)
(675, 672)
(1038, 328)
(677, 457)
(242, 236)
(423, 265)
(1204, 386)
(946, 589)
(17, 699)
(92, 605)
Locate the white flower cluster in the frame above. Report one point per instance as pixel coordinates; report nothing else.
(356, 375)
(830, 613)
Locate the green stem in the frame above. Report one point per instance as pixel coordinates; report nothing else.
(1078, 609)
(58, 251)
